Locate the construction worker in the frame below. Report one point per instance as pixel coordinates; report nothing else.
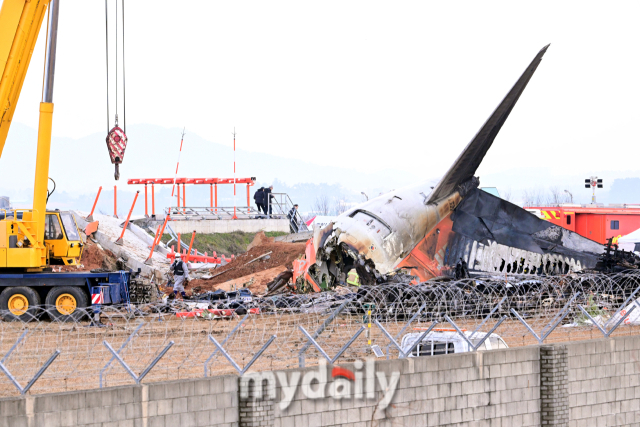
(293, 219)
(181, 275)
(259, 199)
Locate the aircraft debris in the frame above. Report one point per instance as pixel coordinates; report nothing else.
(452, 229)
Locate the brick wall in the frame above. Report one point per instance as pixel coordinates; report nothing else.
(206, 402)
(463, 389)
(604, 382)
(588, 383)
(554, 395)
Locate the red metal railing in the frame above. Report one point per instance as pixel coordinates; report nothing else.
(213, 182)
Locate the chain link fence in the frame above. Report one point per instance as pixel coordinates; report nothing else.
(151, 343)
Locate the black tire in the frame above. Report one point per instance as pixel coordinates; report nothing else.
(32, 298)
(81, 300)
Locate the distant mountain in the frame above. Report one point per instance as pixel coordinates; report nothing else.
(625, 190)
(80, 166)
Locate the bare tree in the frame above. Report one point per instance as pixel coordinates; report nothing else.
(557, 196)
(506, 195)
(554, 196)
(307, 216)
(340, 206)
(532, 197)
(527, 198)
(537, 197)
(321, 206)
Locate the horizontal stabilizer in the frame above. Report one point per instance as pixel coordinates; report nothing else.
(466, 165)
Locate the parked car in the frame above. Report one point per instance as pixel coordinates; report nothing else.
(448, 341)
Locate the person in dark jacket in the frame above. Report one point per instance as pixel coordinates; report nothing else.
(180, 272)
(259, 198)
(293, 219)
(267, 200)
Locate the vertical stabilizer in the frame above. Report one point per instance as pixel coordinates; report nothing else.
(467, 163)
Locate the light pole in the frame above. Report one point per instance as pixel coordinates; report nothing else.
(364, 194)
(570, 195)
(595, 183)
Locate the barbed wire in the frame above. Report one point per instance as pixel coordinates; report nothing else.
(140, 334)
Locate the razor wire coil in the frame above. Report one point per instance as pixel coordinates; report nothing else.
(146, 330)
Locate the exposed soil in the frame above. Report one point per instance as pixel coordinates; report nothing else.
(93, 256)
(262, 271)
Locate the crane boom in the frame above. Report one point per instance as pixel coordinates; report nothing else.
(20, 22)
(31, 240)
(23, 232)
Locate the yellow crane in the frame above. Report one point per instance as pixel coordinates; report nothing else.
(31, 239)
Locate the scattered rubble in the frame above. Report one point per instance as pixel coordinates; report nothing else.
(133, 245)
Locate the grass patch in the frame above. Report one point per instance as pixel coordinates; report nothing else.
(222, 243)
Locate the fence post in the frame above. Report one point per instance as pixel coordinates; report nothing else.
(133, 334)
(414, 317)
(14, 381)
(224, 342)
(241, 371)
(126, 367)
(319, 331)
(342, 350)
(403, 353)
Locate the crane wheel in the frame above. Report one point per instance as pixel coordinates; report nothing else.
(66, 303)
(19, 303)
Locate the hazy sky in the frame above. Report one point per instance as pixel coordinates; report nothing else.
(364, 84)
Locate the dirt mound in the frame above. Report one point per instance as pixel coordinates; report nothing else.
(260, 239)
(262, 270)
(93, 256)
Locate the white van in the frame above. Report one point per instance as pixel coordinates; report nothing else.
(448, 341)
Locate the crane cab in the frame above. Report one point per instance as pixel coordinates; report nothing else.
(20, 240)
(62, 238)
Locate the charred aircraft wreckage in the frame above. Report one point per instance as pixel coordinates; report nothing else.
(453, 229)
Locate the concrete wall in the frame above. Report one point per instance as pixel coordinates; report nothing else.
(492, 388)
(204, 402)
(604, 382)
(206, 226)
(587, 383)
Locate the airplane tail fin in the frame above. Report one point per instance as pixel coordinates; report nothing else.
(467, 163)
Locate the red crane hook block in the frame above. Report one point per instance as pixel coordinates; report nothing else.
(116, 144)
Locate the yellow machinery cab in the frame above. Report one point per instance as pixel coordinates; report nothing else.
(20, 237)
(61, 238)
